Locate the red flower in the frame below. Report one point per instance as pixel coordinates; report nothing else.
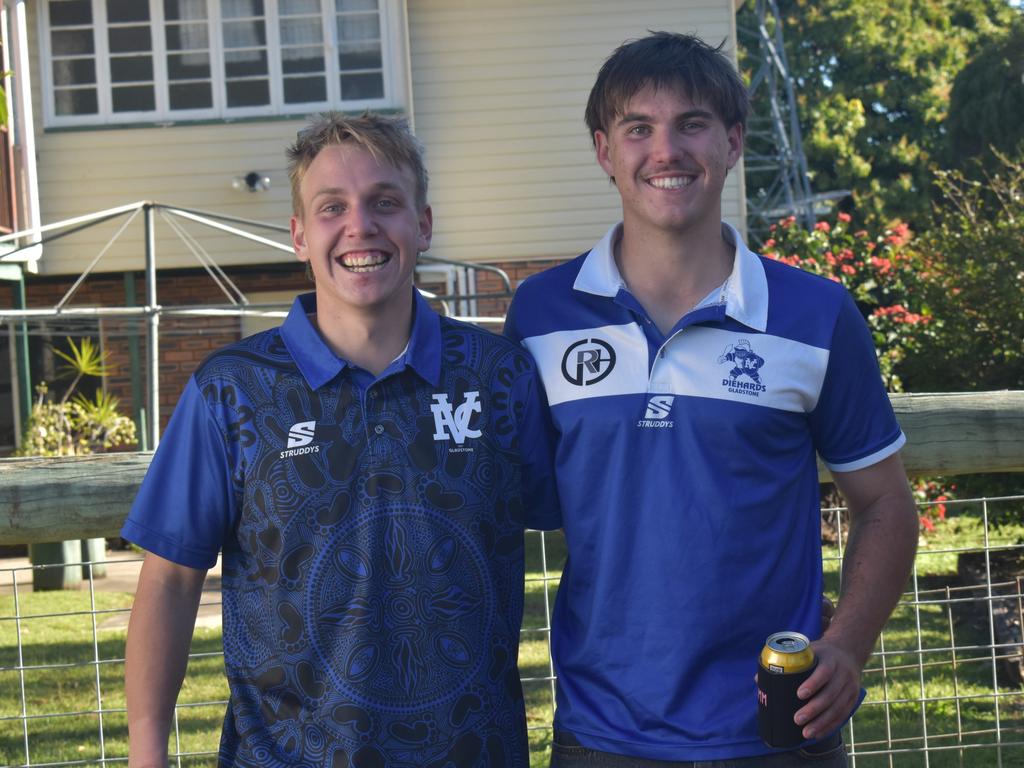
(845, 217)
(848, 270)
(823, 226)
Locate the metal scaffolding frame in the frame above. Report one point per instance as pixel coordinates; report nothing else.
(460, 287)
(776, 168)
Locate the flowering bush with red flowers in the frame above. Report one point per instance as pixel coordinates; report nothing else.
(931, 496)
(880, 270)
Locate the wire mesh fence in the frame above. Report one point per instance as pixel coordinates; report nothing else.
(945, 686)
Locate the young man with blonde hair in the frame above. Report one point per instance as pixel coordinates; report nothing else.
(691, 383)
(365, 472)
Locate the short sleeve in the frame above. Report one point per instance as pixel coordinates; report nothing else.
(536, 448)
(853, 425)
(185, 506)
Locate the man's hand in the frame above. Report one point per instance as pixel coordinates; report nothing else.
(831, 692)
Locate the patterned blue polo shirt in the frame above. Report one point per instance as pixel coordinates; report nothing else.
(372, 541)
(686, 474)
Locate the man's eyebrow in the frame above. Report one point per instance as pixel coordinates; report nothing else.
(639, 117)
(381, 186)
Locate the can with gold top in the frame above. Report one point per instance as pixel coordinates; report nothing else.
(787, 660)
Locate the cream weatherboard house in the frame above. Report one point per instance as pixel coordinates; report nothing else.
(191, 102)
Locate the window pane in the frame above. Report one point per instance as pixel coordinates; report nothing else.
(361, 27)
(234, 9)
(191, 96)
(74, 71)
(299, 31)
(184, 10)
(248, 93)
(187, 37)
(64, 13)
(127, 39)
(355, 5)
(299, 90)
(355, 87)
(360, 56)
(134, 98)
(131, 69)
(295, 60)
(294, 7)
(127, 10)
(77, 102)
(188, 66)
(244, 34)
(71, 42)
(245, 63)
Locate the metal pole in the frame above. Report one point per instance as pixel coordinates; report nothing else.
(24, 371)
(138, 407)
(152, 330)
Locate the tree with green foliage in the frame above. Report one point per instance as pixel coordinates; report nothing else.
(873, 82)
(986, 109)
(973, 258)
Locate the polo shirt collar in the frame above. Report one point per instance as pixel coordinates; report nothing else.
(318, 363)
(746, 289)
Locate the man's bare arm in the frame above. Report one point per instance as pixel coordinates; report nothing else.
(159, 635)
(879, 555)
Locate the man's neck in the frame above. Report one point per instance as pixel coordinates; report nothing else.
(370, 340)
(670, 273)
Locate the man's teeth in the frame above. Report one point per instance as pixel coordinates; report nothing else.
(671, 182)
(363, 262)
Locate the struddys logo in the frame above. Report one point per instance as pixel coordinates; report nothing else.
(744, 378)
(659, 408)
(300, 437)
(588, 361)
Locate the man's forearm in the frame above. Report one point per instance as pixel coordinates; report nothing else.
(156, 654)
(878, 559)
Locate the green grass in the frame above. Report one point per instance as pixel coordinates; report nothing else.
(954, 670)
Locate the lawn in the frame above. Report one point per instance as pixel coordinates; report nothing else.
(949, 696)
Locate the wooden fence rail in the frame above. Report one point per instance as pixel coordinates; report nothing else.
(83, 497)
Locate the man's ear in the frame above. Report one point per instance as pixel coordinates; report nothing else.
(734, 136)
(426, 224)
(299, 238)
(602, 148)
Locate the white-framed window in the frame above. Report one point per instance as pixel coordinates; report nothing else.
(152, 61)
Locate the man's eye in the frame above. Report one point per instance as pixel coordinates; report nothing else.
(330, 208)
(385, 203)
(639, 130)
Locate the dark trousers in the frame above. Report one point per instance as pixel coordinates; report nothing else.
(567, 752)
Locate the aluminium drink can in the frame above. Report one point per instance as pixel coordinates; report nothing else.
(787, 660)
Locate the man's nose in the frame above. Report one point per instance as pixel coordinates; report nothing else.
(666, 146)
(361, 221)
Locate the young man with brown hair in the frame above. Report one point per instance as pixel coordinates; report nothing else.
(365, 471)
(691, 383)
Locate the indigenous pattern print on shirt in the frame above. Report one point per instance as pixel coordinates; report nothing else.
(372, 549)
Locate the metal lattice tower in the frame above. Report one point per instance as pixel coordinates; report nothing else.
(776, 168)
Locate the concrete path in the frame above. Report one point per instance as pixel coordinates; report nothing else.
(122, 576)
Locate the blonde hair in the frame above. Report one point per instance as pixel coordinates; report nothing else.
(387, 139)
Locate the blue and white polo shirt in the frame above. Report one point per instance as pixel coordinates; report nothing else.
(686, 474)
(372, 541)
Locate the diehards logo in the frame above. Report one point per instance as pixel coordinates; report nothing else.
(300, 435)
(659, 407)
(588, 361)
(745, 376)
(452, 424)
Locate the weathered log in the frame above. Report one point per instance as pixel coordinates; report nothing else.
(75, 498)
(53, 499)
(959, 433)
